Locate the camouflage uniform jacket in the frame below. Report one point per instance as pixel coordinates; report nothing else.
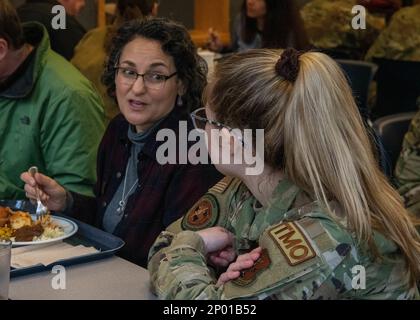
(306, 253)
(407, 170)
(401, 39)
(329, 27)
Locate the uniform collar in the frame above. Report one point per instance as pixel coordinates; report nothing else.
(280, 207)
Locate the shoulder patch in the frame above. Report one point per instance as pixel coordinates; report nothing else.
(248, 276)
(222, 185)
(202, 215)
(292, 243)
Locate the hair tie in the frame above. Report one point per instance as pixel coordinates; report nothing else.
(288, 64)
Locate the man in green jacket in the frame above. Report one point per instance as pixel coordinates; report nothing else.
(50, 115)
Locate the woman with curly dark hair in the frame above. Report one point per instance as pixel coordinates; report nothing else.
(156, 77)
(99, 41)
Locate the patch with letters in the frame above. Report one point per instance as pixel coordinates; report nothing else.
(204, 214)
(292, 243)
(249, 275)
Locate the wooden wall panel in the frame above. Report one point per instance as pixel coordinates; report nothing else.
(101, 13)
(211, 14)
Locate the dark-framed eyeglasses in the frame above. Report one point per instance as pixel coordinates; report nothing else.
(152, 80)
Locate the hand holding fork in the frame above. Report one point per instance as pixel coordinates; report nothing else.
(41, 210)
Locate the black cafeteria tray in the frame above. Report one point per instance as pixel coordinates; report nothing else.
(106, 243)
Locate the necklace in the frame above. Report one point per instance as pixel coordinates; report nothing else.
(122, 203)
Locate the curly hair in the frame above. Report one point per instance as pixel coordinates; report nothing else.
(176, 42)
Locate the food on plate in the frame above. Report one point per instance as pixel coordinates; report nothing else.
(20, 219)
(4, 217)
(27, 233)
(18, 226)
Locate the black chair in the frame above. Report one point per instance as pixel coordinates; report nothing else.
(398, 86)
(391, 130)
(360, 75)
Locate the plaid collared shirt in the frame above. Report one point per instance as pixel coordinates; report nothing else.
(165, 192)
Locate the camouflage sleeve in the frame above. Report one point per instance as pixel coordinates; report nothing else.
(291, 266)
(178, 268)
(329, 26)
(407, 171)
(399, 41)
(311, 258)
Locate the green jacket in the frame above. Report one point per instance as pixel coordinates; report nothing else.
(92, 65)
(401, 39)
(50, 117)
(307, 254)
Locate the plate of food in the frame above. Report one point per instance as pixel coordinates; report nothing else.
(22, 228)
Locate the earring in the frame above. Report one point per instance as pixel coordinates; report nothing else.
(179, 102)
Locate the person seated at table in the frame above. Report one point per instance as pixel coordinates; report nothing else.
(156, 75)
(98, 41)
(320, 217)
(400, 40)
(264, 24)
(51, 116)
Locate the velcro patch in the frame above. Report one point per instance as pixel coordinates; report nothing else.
(292, 243)
(222, 185)
(203, 214)
(249, 275)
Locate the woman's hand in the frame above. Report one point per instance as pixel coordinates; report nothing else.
(51, 193)
(214, 43)
(216, 239)
(243, 262)
(222, 258)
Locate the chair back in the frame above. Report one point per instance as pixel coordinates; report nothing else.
(360, 75)
(391, 130)
(398, 86)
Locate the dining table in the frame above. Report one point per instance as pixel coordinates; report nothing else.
(111, 278)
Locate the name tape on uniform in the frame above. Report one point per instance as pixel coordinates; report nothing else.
(292, 243)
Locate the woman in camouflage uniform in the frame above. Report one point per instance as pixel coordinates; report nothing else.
(320, 222)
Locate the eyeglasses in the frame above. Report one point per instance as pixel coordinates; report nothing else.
(199, 120)
(152, 80)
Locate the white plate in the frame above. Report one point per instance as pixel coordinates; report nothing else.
(69, 228)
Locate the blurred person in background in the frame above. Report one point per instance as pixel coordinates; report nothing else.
(400, 40)
(407, 170)
(328, 24)
(264, 24)
(63, 41)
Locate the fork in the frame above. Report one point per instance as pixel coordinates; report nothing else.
(41, 210)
